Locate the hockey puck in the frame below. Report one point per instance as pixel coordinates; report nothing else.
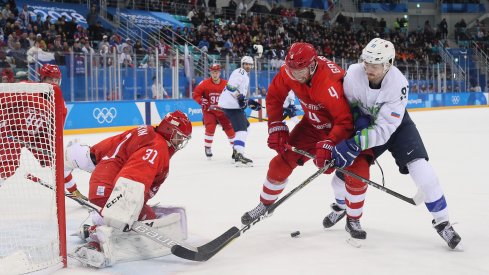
(295, 234)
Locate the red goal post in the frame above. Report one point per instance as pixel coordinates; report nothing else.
(32, 215)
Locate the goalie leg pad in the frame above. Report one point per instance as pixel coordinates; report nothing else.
(124, 204)
(163, 211)
(120, 246)
(78, 156)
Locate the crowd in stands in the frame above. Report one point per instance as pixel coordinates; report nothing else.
(220, 35)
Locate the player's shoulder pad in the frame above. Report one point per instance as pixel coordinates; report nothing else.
(396, 83)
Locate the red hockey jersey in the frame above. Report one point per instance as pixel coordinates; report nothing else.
(322, 99)
(209, 90)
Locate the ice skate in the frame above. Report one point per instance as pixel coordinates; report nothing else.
(332, 218)
(85, 231)
(233, 156)
(355, 229)
(242, 161)
(254, 213)
(208, 152)
(446, 231)
(90, 255)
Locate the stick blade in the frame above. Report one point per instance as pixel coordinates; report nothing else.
(206, 251)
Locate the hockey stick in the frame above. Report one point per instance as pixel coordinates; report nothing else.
(207, 251)
(264, 119)
(82, 202)
(416, 200)
(139, 227)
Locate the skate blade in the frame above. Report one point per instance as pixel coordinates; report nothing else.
(240, 164)
(458, 248)
(357, 243)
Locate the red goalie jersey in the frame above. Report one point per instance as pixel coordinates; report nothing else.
(322, 99)
(139, 154)
(26, 120)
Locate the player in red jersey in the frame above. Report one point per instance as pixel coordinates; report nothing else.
(129, 169)
(207, 95)
(317, 83)
(51, 74)
(26, 123)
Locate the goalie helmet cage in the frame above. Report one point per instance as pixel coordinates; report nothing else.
(32, 217)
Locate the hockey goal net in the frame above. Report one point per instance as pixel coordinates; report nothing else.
(32, 217)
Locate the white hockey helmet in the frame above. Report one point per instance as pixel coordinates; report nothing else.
(247, 60)
(379, 51)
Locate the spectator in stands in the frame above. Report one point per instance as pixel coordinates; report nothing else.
(92, 18)
(25, 15)
(87, 48)
(103, 46)
(18, 56)
(125, 59)
(241, 8)
(443, 26)
(127, 44)
(158, 92)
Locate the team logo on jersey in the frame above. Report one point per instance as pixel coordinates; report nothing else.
(104, 115)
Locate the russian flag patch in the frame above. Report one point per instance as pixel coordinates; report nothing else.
(396, 115)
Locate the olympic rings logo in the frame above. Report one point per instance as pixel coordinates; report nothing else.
(455, 99)
(104, 114)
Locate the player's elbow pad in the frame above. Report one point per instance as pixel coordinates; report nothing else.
(124, 204)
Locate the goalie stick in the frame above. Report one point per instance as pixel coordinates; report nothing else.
(208, 250)
(416, 200)
(139, 227)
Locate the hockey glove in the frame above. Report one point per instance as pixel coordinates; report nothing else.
(254, 105)
(79, 195)
(323, 155)
(205, 104)
(278, 135)
(241, 101)
(361, 120)
(290, 111)
(345, 153)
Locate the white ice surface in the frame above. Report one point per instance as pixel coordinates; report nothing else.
(400, 239)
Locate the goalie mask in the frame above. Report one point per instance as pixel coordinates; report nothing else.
(379, 51)
(300, 62)
(176, 128)
(50, 73)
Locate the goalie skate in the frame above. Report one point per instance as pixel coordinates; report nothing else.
(90, 255)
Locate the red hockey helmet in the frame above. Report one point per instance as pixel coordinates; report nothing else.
(50, 73)
(215, 67)
(176, 128)
(300, 62)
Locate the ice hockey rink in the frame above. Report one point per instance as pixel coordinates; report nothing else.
(400, 240)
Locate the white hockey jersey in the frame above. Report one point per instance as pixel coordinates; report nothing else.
(386, 105)
(290, 99)
(238, 83)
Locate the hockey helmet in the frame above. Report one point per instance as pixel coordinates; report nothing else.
(176, 128)
(247, 60)
(300, 62)
(379, 51)
(51, 72)
(215, 67)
